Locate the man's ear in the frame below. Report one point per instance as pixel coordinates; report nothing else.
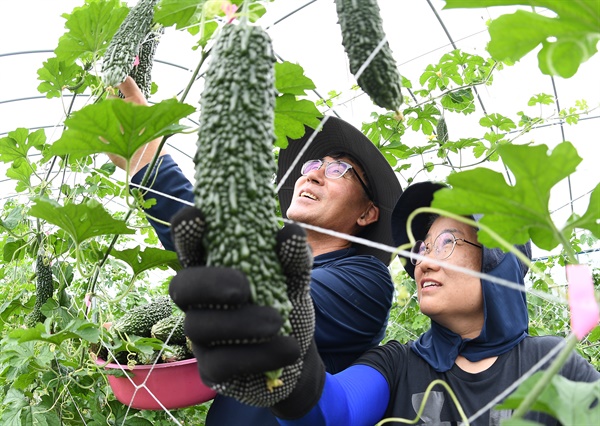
(369, 216)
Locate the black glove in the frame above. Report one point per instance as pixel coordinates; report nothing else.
(236, 341)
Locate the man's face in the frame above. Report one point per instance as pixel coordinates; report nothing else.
(335, 204)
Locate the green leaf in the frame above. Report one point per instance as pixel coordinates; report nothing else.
(520, 212)
(80, 221)
(118, 127)
(149, 258)
(13, 403)
(291, 115)
(589, 220)
(461, 100)
(57, 75)
(290, 78)
(426, 119)
(17, 144)
(497, 120)
(576, 31)
(181, 13)
(542, 99)
(76, 329)
(21, 172)
(568, 401)
(90, 29)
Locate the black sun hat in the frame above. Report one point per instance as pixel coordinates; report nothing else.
(339, 136)
(420, 195)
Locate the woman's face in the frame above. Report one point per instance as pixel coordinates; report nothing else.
(451, 298)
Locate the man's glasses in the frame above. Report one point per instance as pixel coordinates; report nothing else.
(442, 248)
(333, 170)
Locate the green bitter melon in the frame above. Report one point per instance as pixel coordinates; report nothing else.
(125, 45)
(362, 31)
(235, 164)
(142, 72)
(139, 320)
(169, 329)
(44, 288)
(441, 130)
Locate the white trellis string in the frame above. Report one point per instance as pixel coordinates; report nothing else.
(392, 249)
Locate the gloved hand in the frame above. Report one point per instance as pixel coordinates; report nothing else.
(236, 341)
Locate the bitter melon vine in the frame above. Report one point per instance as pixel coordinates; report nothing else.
(235, 164)
(362, 31)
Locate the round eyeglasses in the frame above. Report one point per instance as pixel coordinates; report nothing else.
(442, 248)
(334, 170)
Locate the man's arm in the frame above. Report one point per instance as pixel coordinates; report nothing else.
(171, 190)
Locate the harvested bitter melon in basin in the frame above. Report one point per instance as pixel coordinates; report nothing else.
(362, 31)
(139, 320)
(169, 329)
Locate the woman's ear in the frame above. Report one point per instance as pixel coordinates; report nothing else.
(369, 216)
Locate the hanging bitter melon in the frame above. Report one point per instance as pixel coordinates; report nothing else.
(125, 45)
(362, 31)
(44, 288)
(441, 130)
(235, 163)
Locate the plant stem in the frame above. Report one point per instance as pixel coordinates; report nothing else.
(544, 381)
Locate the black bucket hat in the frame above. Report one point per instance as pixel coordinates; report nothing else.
(339, 136)
(420, 195)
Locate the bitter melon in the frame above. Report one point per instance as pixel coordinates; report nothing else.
(235, 163)
(125, 45)
(176, 353)
(139, 320)
(142, 72)
(44, 288)
(442, 130)
(169, 330)
(362, 31)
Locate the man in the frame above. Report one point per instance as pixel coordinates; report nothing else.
(341, 183)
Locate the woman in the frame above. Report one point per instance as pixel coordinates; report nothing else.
(477, 345)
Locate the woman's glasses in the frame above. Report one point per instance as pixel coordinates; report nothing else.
(442, 247)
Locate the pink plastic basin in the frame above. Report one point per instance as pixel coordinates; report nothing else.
(174, 384)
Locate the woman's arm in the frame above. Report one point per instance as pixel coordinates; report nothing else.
(357, 396)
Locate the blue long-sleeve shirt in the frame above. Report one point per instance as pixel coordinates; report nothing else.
(352, 295)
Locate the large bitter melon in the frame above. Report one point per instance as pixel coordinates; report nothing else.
(125, 45)
(142, 72)
(44, 288)
(362, 31)
(235, 163)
